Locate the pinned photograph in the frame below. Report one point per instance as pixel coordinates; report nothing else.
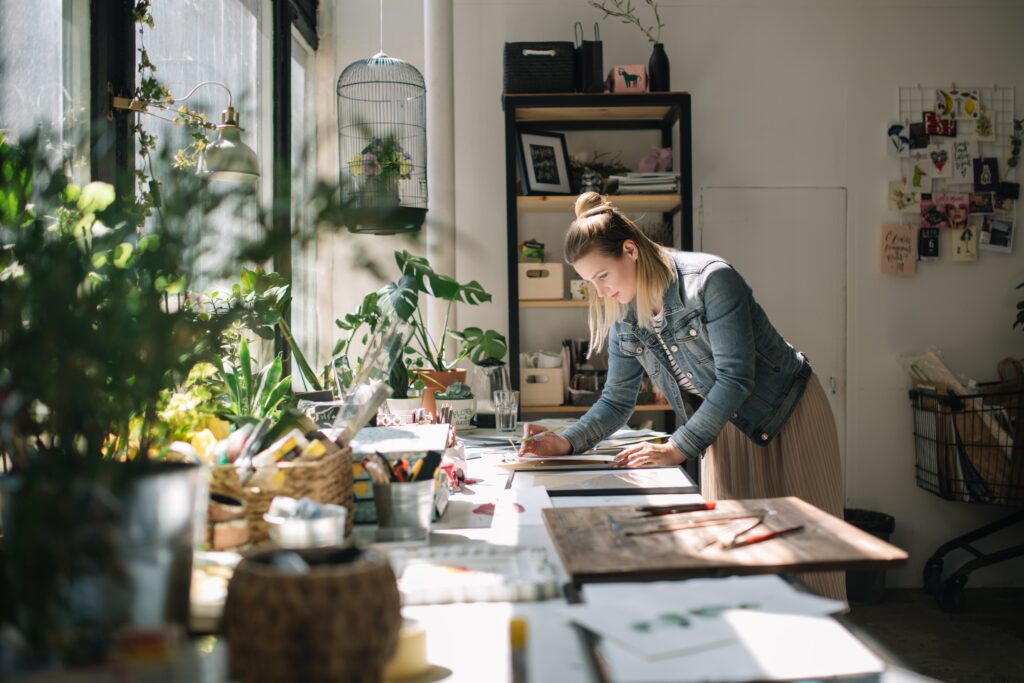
(937, 125)
(964, 152)
(957, 208)
(1004, 205)
(945, 103)
(986, 174)
(928, 244)
(968, 104)
(1008, 190)
(902, 199)
(996, 234)
(920, 179)
(939, 161)
(899, 139)
(965, 244)
(983, 203)
(985, 127)
(918, 138)
(932, 215)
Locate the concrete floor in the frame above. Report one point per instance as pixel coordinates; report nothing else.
(983, 643)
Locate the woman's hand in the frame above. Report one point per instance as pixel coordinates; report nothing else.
(537, 440)
(650, 455)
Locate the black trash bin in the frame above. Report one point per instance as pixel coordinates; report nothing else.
(867, 587)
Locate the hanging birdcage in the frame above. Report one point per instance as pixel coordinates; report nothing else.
(382, 145)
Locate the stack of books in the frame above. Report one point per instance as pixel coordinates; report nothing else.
(647, 183)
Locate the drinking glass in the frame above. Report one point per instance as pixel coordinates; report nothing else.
(506, 410)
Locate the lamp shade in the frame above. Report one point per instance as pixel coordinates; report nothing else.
(228, 158)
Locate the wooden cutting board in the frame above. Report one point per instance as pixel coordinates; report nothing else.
(596, 543)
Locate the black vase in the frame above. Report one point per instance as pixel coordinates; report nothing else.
(657, 70)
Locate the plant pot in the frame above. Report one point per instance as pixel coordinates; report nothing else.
(435, 381)
(98, 546)
(403, 407)
(337, 622)
(463, 410)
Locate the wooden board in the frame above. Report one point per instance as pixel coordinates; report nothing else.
(594, 546)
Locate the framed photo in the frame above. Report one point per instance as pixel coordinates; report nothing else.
(544, 163)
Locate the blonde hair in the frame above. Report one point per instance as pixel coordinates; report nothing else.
(601, 227)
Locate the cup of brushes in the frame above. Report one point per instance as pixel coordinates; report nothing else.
(403, 495)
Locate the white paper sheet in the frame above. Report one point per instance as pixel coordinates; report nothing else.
(767, 647)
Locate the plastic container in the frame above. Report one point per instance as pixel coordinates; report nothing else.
(867, 587)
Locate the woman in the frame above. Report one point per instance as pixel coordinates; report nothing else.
(763, 422)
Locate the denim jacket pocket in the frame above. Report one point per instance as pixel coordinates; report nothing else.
(690, 336)
(630, 345)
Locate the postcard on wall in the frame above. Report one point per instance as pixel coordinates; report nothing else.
(938, 125)
(920, 178)
(939, 162)
(945, 103)
(985, 127)
(918, 138)
(983, 203)
(1008, 190)
(996, 234)
(928, 244)
(964, 152)
(932, 215)
(899, 249)
(986, 174)
(1004, 206)
(957, 208)
(968, 104)
(902, 199)
(965, 244)
(899, 139)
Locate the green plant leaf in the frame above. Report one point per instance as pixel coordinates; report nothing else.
(277, 395)
(122, 255)
(245, 362)
(402, 297)
(95, 197)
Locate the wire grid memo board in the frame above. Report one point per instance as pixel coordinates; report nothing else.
(915, 100)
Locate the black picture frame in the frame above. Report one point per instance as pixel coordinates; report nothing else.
(544, 163)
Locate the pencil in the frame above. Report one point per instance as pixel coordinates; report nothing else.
(751, 540)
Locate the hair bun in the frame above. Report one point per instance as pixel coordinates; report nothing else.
(590, 204)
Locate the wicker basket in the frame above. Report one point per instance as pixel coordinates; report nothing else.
(327, 479)
(539, 67)
(337, 623)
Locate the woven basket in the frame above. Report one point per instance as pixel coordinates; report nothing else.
(539, 67)
(327, 479)
(337, 623)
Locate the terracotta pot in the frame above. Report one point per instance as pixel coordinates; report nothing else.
(435, 380)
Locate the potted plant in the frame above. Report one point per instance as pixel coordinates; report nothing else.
(433, 361)
(98, 526)
(381, 164)
(458, 398)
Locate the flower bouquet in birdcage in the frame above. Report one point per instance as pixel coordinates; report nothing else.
(381, 164)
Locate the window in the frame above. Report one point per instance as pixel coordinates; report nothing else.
(44, 76)
(191, 44)
(303, 167)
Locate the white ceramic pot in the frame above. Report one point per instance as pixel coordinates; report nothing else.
(463, 410)
(403, 407)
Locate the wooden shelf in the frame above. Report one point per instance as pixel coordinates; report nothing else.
(595, 107)
(629, 203)
(552, 303)
(645, 408)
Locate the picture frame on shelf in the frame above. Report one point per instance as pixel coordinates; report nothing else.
(544, 163)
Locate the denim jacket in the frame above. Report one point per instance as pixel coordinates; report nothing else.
(721, 338)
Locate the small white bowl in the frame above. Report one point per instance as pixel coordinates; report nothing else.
(326, 530)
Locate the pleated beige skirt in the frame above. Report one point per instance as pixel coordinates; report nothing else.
(802, 461)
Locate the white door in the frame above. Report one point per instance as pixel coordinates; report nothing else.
(790, 246)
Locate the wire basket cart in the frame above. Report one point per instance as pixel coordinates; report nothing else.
(970, 449)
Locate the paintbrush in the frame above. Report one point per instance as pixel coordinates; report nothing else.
(695, 523)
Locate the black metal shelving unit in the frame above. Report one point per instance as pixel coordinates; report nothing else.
(662, 112)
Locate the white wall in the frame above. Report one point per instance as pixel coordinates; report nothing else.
(785, 93)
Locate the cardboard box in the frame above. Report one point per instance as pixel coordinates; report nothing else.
(540, 387)
(541, 281)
